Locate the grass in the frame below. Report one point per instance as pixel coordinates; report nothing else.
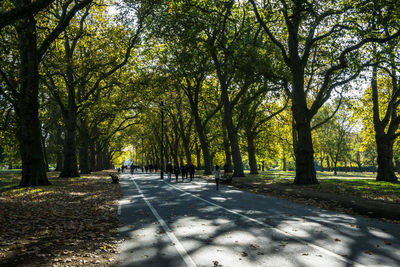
(345, 183)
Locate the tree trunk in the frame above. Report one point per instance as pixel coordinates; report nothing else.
(252, 153)
(384, 147)
(92, 157)
(46, 160)
(33, 166)
(321, 163)
(204, 145)
(84, 148)
(232, 135)
(70, 166)
(59, 161)
(198, 156)
(284, 163)
(227, 149)
(305, 170)
(335, 169)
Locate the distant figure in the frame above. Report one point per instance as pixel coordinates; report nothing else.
(119, 170)
(183, 171)
(155, 168)
(191, 171)
(146, 168)
(122, 168)
(169, 170)
(132, 168)
(176, 171)
(217, 175)
(150, 168)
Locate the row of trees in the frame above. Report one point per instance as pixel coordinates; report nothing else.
(238, 64)
(271, 81)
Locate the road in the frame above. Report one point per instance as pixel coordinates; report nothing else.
(192, 224)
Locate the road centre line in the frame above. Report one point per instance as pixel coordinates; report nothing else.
(181, 250)
(293, 237)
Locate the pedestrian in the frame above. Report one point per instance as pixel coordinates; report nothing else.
(186, 171)
(217, 175)
(176, 171)
(191, 171)
(132, 167)
(122, 168)
(169, 170)
(146, 168)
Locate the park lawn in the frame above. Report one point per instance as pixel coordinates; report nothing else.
(73, 222)
(350, 184)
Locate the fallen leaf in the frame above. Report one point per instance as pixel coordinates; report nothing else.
(369, 252)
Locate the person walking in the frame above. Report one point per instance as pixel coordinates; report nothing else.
(169, 170)
(186, 171)
(191, 171)
(176, 171)
(132, 168)
(217, 175)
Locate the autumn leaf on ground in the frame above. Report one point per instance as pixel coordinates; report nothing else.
(369, 252)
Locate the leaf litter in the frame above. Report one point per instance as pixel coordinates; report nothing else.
(74, 222)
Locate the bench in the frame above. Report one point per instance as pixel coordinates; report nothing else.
(115, 178)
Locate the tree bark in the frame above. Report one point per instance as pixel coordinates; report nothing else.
(384, 140)
(84, 148)
(33, 166)
(384, 147)
(232, 135)
(204, 146)
(227, 149)
(198, 156)
(70, 165)
(304, 152)
(59, 161)
(251, 150)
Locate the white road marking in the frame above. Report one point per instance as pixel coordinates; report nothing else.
(181, 250)
(119, 208)
(339, 257)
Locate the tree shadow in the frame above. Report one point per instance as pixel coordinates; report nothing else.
(271, 231)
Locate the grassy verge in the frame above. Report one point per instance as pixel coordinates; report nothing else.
(348, 184)
(73, 222)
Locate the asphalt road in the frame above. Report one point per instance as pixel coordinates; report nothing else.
(192, 224)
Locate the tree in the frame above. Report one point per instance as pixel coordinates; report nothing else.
(23, 92)
(314, 42)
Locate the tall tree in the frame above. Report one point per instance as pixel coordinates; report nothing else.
(309, 32)
(23, 92)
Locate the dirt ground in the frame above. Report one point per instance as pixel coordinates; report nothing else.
(74, 222)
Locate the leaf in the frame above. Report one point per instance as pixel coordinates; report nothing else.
(369, 252)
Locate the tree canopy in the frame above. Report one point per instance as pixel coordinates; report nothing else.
(300, 85)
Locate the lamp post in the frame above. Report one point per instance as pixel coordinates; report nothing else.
(162, 141)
